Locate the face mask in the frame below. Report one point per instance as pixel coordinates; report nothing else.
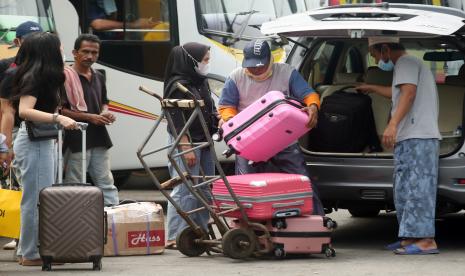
(203, 68)
(386, 66)
(262, 77)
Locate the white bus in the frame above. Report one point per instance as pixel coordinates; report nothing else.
(131, 57)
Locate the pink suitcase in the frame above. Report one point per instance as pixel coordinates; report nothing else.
(266, 195)
(265, 128)
(297, 235)
(302, 235)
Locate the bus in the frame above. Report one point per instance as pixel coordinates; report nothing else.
(134, 55)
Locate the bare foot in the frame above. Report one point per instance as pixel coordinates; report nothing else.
(426, 244)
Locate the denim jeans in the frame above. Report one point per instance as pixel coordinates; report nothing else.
(37, 163)
(185, 199)
(289, 160)
(98, 166)
(415, 186)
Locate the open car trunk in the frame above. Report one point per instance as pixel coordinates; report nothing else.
(339, 65)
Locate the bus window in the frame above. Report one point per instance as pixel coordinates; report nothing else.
(146, 20)
(135, 34)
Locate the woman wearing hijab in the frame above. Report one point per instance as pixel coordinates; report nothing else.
(188, 64)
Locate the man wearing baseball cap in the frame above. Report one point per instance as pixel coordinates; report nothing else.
(259, 75)
(21, 31)
(7, 117)
(414, 134)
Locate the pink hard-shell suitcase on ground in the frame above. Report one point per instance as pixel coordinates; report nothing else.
(302, 235)
(265, 128)
(266, 195)
(296, 235)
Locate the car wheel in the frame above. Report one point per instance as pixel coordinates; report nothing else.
(366, 212)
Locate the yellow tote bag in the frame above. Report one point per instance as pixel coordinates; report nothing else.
(10, 202)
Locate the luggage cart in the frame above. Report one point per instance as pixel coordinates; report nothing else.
(238, 243)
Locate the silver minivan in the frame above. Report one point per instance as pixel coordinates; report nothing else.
(330, 50)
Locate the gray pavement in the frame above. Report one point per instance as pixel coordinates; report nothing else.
(358, 242)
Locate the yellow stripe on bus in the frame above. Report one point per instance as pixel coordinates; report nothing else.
(132, 110)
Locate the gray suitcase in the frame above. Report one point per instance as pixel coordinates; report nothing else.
(71, 220)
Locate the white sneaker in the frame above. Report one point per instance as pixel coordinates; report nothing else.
(10, 246)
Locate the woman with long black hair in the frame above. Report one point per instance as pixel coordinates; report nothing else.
(36, 95)
(189, 64)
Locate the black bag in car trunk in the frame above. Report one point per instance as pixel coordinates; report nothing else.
(345, 124)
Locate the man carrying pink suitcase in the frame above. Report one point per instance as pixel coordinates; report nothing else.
(258, 75)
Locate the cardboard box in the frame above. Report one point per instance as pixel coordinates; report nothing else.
(135, 229)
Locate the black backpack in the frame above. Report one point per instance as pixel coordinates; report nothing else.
(345, 124)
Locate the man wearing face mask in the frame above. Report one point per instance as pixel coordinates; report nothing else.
(414, 133)
(86, 101)
(259, 75)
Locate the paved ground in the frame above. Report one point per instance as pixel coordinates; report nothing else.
(358, 243)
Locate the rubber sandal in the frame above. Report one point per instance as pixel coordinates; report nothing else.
(393, 246)
(413, 249)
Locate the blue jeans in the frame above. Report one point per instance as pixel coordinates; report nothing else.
(415, 186)
(289, 160)
(37, 163)
(185, 199)
(98, 166)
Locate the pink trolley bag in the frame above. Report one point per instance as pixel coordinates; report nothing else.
(295, 235)
(302, 235)
(265, 128)
(266, 195)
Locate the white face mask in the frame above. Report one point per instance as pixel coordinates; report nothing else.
(203, 68)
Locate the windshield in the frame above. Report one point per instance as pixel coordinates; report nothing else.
(15, 12)
(234, 22)
(229, 15)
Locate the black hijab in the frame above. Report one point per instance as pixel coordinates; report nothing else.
(181, 66)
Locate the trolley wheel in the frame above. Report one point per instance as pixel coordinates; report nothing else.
(97, 265)
(330, 252)
(187, 245)
(239, 243)
(46, 267)
(279, 253)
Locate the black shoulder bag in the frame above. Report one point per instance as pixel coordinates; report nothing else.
(41, 131)
(38, 131)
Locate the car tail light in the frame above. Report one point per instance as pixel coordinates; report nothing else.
(461, 181)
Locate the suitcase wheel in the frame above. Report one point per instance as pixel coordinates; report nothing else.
(329, 223)
(330, 252)
(279, 253)
(97, 265)
(187, 243)
(239, 243)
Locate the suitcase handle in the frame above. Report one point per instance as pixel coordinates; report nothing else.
(83, 128)
(288, 204)
(287, 213)
(295, 99)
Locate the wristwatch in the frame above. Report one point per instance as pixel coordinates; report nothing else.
(55, 117)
